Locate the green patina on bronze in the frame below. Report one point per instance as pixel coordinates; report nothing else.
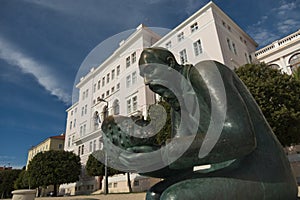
(247, 161)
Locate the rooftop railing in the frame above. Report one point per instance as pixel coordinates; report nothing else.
(279, 43)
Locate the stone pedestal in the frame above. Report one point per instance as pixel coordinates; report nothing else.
(23, 194)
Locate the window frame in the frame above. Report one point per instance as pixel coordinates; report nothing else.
(198, 49)
(183, 56)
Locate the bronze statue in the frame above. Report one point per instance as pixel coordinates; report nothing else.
(247, 161)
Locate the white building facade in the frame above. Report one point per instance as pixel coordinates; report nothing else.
(113, 88)
(283, 54)
(207, 34)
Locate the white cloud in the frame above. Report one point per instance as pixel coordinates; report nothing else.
(285, 7)
(48, 4)
(15, 57)
(279, 22)
(263, 36)
(284, 26)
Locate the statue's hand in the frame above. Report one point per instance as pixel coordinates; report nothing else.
(128, 133)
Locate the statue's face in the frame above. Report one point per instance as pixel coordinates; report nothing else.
(156, 76)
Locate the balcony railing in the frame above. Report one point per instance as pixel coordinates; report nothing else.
(279, 43)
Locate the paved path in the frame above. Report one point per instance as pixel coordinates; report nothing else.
(135, 196)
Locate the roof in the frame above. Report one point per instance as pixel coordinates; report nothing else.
(60, 137)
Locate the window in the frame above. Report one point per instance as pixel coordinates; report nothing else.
(73, 140)
(71, 125)
(234, 49)
(86, 93)
(94, 88)
(128, 81)
(133, 57)
(82, 111)
(75, 110)
(128, 106)
(82, 149)
(295, 62)
(110, 185)
(69, 141)
(134, 78)
(98, 86)
(169, 45)
(118, 70)
(183, 56)
(136, 183)
(107, 78)
(112, 89)
(194, 27)
(85, 109)
(134, 103)
(60, 146)
(229, 28)
(107, 93)
(197, 47)
(246, 58)
(79, 150)
(224, 24)
(116, 107)
(103, 81)
(113, 74)
(180, 36)
(128, 61)
(102, 96)
(91, 146)
(84, 129)
(71, 112)
(229, 44)
(94, 145)
(115, 185)
(118, 86)
(83, 95)
(81, 131)
(74, 124)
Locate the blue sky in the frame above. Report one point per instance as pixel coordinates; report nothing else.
(43, 43)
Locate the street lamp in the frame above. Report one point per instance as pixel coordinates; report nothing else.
(105, 165)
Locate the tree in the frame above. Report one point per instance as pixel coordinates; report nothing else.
(296, 74)
(7, 178)
(22, 182)
(54, 168)
(95, 167)
(278, 96)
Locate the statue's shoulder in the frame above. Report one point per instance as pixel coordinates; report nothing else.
(209, 64)
(208, 68)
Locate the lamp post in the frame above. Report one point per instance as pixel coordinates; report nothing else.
(105, 165)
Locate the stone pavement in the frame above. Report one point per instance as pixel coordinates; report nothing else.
(132, 196)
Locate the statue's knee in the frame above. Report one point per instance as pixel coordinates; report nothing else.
(177, 193)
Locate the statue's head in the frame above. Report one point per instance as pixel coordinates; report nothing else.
(154, 64)
(158, 55)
